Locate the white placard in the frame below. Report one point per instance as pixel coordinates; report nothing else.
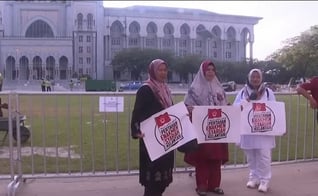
(263, 118)
(111, 104)
(167, 130)
(217, 124)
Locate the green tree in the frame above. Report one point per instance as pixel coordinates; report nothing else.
(233, 71)
(300, 53)
(273, 71)
(187, 65)
(136, 60)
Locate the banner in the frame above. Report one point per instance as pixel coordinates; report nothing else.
(167, 130)
(217, 124)
(263, 118)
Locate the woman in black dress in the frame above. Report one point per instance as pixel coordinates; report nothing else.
(154, 96)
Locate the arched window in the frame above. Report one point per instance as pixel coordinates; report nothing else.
(116, 28)
(231, 33)
(216, 32)
(151, 28)
(37, 68)
(230, 43)
(184, 42)
(63, 62)
(134, 28)
(168, 29)
(134, 36)
(89, 21)
(200, 28)
(39, 28)
(185, 30)
(0, 17)
(116, 32)
(80, 21)
(168, 39)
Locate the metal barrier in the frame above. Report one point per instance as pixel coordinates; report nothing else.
(70, 137)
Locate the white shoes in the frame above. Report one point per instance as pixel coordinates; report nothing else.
(252, 184)
(263, 187)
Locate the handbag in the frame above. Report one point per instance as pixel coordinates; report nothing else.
(190, 146)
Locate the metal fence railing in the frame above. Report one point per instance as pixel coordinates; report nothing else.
(70, 137)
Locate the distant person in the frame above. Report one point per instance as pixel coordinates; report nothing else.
(1, 81)
(43, 85)
(71, 84)
(257, 148)
(48, 85)
(309, 90)
(153, 97)
(53, 84)
(2, 105)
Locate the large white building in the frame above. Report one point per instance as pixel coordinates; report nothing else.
(64, 39)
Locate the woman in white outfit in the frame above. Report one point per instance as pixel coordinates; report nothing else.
(257, 148)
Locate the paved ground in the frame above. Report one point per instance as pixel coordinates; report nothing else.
(295, 179)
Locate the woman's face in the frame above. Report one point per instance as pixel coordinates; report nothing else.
(255, 79)
(209, 73)
(162, 72)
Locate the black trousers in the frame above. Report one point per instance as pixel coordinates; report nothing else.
(43, 88)
(154, 191)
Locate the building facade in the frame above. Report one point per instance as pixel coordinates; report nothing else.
(65, 39)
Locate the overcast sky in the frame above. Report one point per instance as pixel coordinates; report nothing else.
(281, 19)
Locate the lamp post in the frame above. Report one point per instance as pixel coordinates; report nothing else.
(208, 47)
(70, 72)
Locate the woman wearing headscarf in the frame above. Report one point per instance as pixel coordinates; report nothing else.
(154, 96)
(257, 148)
(207, 90)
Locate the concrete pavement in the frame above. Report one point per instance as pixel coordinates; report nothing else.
(294, 179)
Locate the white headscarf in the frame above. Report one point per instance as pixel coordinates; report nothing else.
(251, 72)
(204, 92)
(254, 93)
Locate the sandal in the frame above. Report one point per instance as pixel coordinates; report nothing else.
(218, 191)
(200, 193)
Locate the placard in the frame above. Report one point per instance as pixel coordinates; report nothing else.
(217, 124)
(263, 118)
(167, 130)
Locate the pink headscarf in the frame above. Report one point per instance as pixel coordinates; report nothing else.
(205, 65)
(160, 89)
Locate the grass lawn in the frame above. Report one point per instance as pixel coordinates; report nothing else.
(103, 142)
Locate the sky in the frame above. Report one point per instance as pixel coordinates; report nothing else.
(281, 19)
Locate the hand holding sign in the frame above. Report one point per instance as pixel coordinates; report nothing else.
(167, 130)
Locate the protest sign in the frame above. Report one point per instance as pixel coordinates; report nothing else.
(263, 118)
(217, 124)
(167, 130)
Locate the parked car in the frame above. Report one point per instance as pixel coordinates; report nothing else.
(292, 84)
(229, 86)
(133, 85)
